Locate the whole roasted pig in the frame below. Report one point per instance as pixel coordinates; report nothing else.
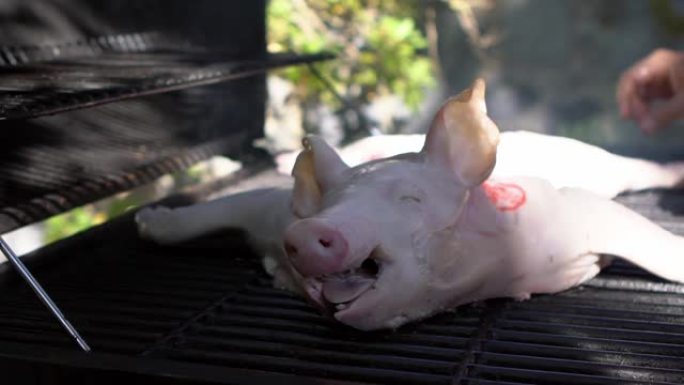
(400, 238)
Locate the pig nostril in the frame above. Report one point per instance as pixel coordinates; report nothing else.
(325, 243)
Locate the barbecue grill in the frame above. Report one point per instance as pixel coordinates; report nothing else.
(96, 115)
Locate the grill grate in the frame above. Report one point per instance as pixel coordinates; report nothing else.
(51, 164)
(206, 310)
(42, 188)
(13, 56)
(38, 81)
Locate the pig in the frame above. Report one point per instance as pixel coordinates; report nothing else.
(399, 239)
(564, 162)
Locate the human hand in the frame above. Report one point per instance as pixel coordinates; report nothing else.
(658, 77)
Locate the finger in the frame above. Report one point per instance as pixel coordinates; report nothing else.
(663, 114)
(637, 82)
(657, 90)
(634, 91)
(676, 77)
(643, 72)
(650, 87)
(624, 108)
(637, 107)
(625, 92)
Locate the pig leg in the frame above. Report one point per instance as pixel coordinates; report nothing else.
(264, 212)
(642, 174)
(567, 162)
(610, 228)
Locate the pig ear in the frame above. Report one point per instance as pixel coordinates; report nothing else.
(317, 168)
(462, 138)
(328, 165)
(306, 195)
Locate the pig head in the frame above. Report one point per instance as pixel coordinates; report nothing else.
(378, 245)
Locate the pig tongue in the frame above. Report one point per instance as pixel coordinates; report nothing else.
(345, 289)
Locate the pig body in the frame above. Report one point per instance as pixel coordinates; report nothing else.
(398, 239)
(563, 162)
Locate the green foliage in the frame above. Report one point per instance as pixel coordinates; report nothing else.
(394, 43)
(70, 223)
(379, 46)
(120, 205)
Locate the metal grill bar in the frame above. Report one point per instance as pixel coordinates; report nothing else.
(580, 366)
(79, 192)
(53, 87)
(532, 376)
(12, 56)
(579, 354)
(44, 297)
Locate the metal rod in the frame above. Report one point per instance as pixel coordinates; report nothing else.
(28, 277)
(348, 105)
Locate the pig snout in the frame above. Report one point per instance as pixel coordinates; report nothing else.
(315, 247)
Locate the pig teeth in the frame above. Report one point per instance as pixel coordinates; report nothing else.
(341, 306)
(342, 274)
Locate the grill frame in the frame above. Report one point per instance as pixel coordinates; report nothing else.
(35, 99)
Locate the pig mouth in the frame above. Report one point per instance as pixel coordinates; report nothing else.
(335, 292)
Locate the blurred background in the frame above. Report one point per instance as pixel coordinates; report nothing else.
(550, 66)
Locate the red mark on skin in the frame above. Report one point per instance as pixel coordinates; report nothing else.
(505, 196)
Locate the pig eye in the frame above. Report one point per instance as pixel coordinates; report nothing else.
(409, 198)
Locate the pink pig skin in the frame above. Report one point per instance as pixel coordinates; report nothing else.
(398, 239)
(564, 162)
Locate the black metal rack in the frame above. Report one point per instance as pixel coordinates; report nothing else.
(62, 162)
(29, 89)
(94, 148)
(204, 312)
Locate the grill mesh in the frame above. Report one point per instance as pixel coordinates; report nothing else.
(38, 81)
(207, 304)
(51, 164)
(41, 190)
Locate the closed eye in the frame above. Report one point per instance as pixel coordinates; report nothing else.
(409, 198)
